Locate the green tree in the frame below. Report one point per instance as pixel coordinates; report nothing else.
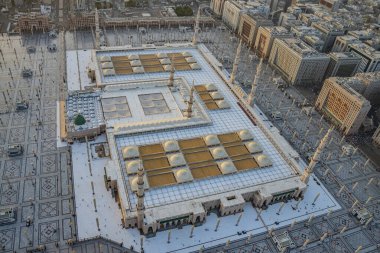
(131, 3)
(183, 11)
(79, 120)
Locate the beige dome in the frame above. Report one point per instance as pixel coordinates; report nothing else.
(107, 65)
(135, 63)
(165, 61)
(195, 66)
(191, 60)
(245, 135)
(253, 147)
(138, 70)
(211, 87)
(186, 54)
(183, 175)
(211, 140)
(167, 68)
(227, 167)
(162, 55)
(176, 160)
(133, 183)
(132, 166)
(108, 72)
(130, 152)
(219, 153)
(105, 58)
(263, 160)
(170, 146)
(223, 104)
(133, 57)
(216, 95)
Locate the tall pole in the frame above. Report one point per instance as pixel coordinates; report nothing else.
(196, 28)
(309, 169)
(97, 30)
(171, 77)
(236, 63)
(140, 197)
(190, 103)
(255, 82)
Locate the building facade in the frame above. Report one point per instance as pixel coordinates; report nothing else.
(342, 105)
(371, 86)
(231, 14)
(376, 137)
(217, 7)
(329, 32)
(342, 64)
(342, 42)
(298, 63)
(265, 37)
(249, 26)
(370, 57)
(33, 22)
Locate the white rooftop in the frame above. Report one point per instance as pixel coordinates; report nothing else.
(223, 121)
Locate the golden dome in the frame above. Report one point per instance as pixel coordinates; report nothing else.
(176, 160)
(132, 166)
(170, 146)
(211, 140)
(130, 152)
(253, 147)
(245, 135)
(227, 167)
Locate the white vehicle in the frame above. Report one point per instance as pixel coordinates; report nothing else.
(142, 30)
(276, 115)
(309, 110)
(348, 149)
(184, 29)
(221, 28)
(361, 214)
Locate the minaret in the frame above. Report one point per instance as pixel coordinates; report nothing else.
(309, 169)
(236, 63)
(171, 77)
(189, 110)
(255, 82)
(196, 28)
(97, 30)
(140, 197)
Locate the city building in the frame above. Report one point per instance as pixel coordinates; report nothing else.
(249, 26)
(285, 19)
(308, 18)
(277, 5)
(231, 14)
(342, 64)
(33, 22)
(329, 32)
(217, 7)
(342, 105)
(85, 105)
(370, 57)
(303, 30)
(314, 41)
(331, 5)
(265, 37)
(169, 134)
(376, 137)
(297, 62)
(342, 42)
(234, 10)
(370, 89)
(362, 35)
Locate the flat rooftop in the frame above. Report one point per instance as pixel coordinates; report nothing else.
(231, 120)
